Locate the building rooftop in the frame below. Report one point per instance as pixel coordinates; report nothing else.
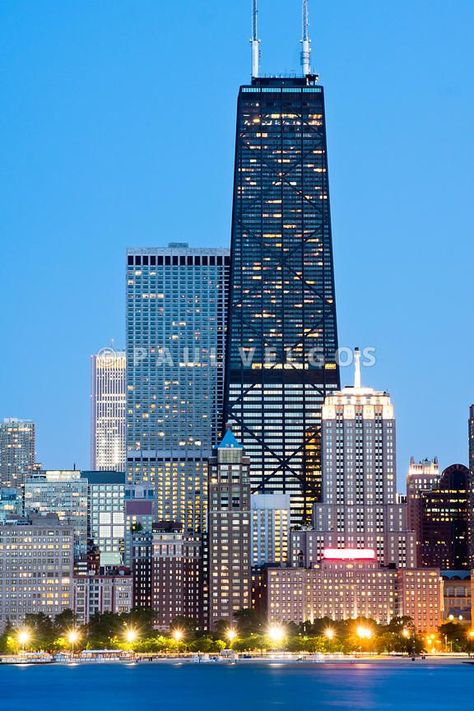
(99, 477)
(229, 441)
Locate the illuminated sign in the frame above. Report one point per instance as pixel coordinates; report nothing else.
(349, 554)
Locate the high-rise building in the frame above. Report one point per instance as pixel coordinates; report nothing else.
(176, 575)
(63, 493)
(360, 507)
(446, 515)
(270, 528)
(471, 438)
(17, 451)
(229, 539)
(422, 476)
(36, 568)
(108, 411)
(106, 516)
(176, 299)
(282, 337)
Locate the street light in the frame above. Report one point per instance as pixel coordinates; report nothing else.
(131, 635)
(23, 638)
(231, 634)
(406, 633)
(364, 632)
(276, 633)
(178, 635)
(329, 633)
(72, 638)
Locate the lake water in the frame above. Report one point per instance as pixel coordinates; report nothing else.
(244, 686)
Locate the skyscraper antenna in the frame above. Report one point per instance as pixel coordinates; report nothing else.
(255, 42)
(306, 42)
(357, 378)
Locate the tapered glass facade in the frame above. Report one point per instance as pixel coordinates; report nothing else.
(282, 333)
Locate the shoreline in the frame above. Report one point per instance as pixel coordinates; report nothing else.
(263, 660)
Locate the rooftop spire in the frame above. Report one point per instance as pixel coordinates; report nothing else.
(305, 42)
(357, 378)
(255, 42)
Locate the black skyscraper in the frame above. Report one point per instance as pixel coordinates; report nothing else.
(282, 334)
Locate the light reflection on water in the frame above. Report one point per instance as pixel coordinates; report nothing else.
(236, 687)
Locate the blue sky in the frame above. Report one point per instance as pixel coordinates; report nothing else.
(117, 130)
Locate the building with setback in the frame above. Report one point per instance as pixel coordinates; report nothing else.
(229, 540)
(282, 336)
(360, 508)
(176, 303)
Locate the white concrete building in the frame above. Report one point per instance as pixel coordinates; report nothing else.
(108, 410)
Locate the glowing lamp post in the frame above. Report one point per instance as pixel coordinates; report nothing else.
(470, 636)
(178, 635)
(231, 634)
(276, 634)
(73, 638)
(23, 638)
(131, 636)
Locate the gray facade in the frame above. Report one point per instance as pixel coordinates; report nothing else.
(36, 568)
(17, 451)
(176, 302)
(63, 493)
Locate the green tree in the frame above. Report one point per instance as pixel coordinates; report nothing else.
(248, 622)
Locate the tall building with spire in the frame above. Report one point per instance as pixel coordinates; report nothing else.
(360, 507)
(282, 337)
(229, 531)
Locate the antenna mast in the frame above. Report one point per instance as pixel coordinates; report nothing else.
(306, 42)
(255, 42)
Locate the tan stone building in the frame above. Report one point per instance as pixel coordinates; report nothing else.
(346, 588)
(229, 536)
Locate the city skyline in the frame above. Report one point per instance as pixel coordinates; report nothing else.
(244, 492)
(406, 363)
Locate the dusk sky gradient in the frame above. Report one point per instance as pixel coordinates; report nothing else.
(117, 130)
